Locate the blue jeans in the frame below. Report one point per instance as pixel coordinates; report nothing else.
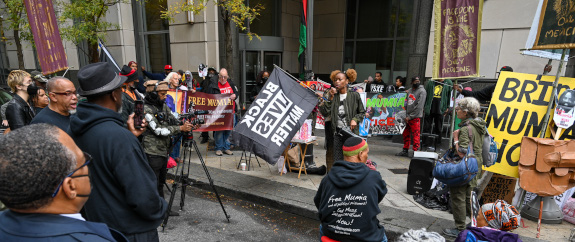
(221, 138)
(176, 151)
(321, 235)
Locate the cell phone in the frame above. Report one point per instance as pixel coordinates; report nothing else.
(138, 113)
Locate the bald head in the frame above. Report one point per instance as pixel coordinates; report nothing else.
(223, 76)
(62, 93)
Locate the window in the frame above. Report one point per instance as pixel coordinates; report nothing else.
(268, 22)
(377, 37)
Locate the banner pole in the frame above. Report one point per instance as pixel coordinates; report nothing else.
(295, 79)
(553, 94)
(453, 113)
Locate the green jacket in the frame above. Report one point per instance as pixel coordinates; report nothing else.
(156, 139)
(478, 130)
(351, 104)
(445, 95)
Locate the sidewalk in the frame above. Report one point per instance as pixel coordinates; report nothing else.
(400, 212)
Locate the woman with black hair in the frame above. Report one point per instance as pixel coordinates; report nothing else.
(399, 85)
(260, 81)
(345, 109)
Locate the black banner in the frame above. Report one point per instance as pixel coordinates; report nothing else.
(274, 117)
(556, 28)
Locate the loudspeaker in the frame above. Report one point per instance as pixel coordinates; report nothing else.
(420, 175)
(552, 214)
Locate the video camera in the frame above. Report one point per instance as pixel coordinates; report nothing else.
(191, 117)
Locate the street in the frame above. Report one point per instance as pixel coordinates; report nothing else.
(204, 220)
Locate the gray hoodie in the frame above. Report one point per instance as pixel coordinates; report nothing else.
(414, 102)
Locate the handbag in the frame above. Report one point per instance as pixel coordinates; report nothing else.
(453, 171)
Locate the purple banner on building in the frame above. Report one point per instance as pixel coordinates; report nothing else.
(42, 18)
(457, 38)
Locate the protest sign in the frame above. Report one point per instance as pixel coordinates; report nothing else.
(499, 187)
(219, 108)
(556, 26)
(382, 109)
(42, 19)
(274, 117)
(563, 116)
(457, 38)
(517, 109)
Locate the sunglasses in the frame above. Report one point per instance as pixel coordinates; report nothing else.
(88, 159)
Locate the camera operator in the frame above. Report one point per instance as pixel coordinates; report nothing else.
(161, 125)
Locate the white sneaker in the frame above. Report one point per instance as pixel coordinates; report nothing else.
(219, 153)
(228, 152)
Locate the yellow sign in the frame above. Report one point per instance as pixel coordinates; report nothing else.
(517, 109)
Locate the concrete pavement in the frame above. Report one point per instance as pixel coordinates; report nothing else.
(400, 212)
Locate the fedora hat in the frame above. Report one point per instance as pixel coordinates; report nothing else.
(98, 78)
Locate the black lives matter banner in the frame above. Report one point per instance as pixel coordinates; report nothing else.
(274, 117)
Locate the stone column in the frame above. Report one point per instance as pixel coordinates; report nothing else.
(419, 38)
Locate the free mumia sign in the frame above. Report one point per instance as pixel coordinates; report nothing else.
(556, 28)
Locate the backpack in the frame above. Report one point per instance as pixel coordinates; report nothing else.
(490, 151)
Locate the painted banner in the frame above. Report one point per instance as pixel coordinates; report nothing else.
(385, 112)
(563, 116)
(274, 117)
(42, 19)
(219, 108)
(457, 38)
(517, 109)
(556, 28)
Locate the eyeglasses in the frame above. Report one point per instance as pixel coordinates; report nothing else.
(67, 93)
(224, 77)
(88, 159)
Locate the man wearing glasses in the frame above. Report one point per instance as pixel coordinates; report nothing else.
(224, 86)
(63, 101)
(46, 207)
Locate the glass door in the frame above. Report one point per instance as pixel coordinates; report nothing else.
(271, 58)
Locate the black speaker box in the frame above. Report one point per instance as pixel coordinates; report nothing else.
(420, 175)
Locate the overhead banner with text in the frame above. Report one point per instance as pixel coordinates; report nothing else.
(42, 19)
(278, 112)
(556, 28)
(517, 109)
(457, 38)
(385, 112)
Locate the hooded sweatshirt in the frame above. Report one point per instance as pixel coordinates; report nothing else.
(347, 202)
(414, 102)
(124, 191)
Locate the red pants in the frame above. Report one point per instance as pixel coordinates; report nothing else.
(412, 129)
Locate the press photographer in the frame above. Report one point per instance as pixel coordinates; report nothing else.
(161, 125)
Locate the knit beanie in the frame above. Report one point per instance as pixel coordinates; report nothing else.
(353, 146)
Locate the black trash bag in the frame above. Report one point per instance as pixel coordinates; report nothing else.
(436, 198)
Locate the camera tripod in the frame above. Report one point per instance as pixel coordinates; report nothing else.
(180, 181)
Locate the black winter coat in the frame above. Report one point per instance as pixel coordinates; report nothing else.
(19, 113)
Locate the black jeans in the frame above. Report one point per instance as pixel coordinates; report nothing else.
(436, 119)
(329, 145)
(159, 166)
(150, 236)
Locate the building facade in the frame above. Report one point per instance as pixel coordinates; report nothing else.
(394, 37)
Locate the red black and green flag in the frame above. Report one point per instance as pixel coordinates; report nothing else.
(302, 38)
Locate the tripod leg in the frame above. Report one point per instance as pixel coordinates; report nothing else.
(184, 179)
(210, 179)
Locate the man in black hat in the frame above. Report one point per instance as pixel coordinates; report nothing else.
(129, 92)
(484, 95)
(125, 194)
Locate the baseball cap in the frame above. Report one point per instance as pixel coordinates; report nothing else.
(506, 68)
(168, 67)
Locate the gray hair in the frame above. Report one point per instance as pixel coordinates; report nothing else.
(169, 76)
(470, 105)
(32, 164)
(52, 82)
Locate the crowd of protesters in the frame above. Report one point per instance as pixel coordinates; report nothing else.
(124, 201)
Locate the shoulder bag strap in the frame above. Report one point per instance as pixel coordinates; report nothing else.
(470, 146)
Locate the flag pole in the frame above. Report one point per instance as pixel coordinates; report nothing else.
(295, 79)
(553, 94)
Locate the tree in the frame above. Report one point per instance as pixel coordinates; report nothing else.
(88, 21)
(233, 12)
(16, 21)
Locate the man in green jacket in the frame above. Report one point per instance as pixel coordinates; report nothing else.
(438, 98)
